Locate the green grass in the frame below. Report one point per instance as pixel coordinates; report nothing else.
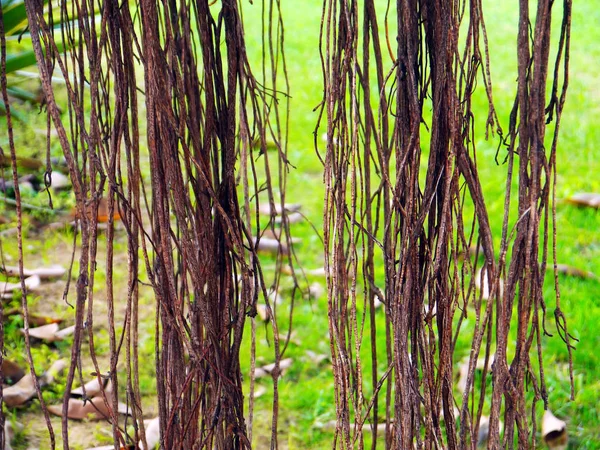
(306, 391)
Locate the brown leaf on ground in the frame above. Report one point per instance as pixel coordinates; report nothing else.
(293, 338)
(90, 408)
(44, 333)
(572, 271)
(24, 390)
(554, 431)
(263, 312)
(294, 217)
(316, 290)
(60, 181)
(50, 333)
(44, 273)
(93, 409)
(586, 199)
(11, 371)
(31, 284)
(291, 211)
(19, 393)
(259, 391)
(268, 245)
(263, 371)
(90, 389)
(316, 358)
(152, 432)
(265, 208)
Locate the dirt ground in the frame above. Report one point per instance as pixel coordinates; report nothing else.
(50, 247)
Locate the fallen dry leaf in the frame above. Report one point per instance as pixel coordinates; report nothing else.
(572, 271)
(152, 432)
(19, 393)
(263, 312)
(267, 245)
(316, 290)
(554, 431)
(293, 338)
(59, 181)
(294, 217)
(90, 408)
(62, 334)
(11, 371)
(263, 371)
(259, 391)
(24, 390)
(265, 208)
(316, 358)
(90, 389)
(588, 199)
(276, 234)
(50, 333)
(31, 284)
(45, 332)
(45, 273)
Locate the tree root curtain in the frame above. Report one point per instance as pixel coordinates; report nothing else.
(392, 203)
(394, 223)
(189, 224)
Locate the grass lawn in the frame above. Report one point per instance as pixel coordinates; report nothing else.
(306, 390)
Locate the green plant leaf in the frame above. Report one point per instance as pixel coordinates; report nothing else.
(20, 61)
(14, 17)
